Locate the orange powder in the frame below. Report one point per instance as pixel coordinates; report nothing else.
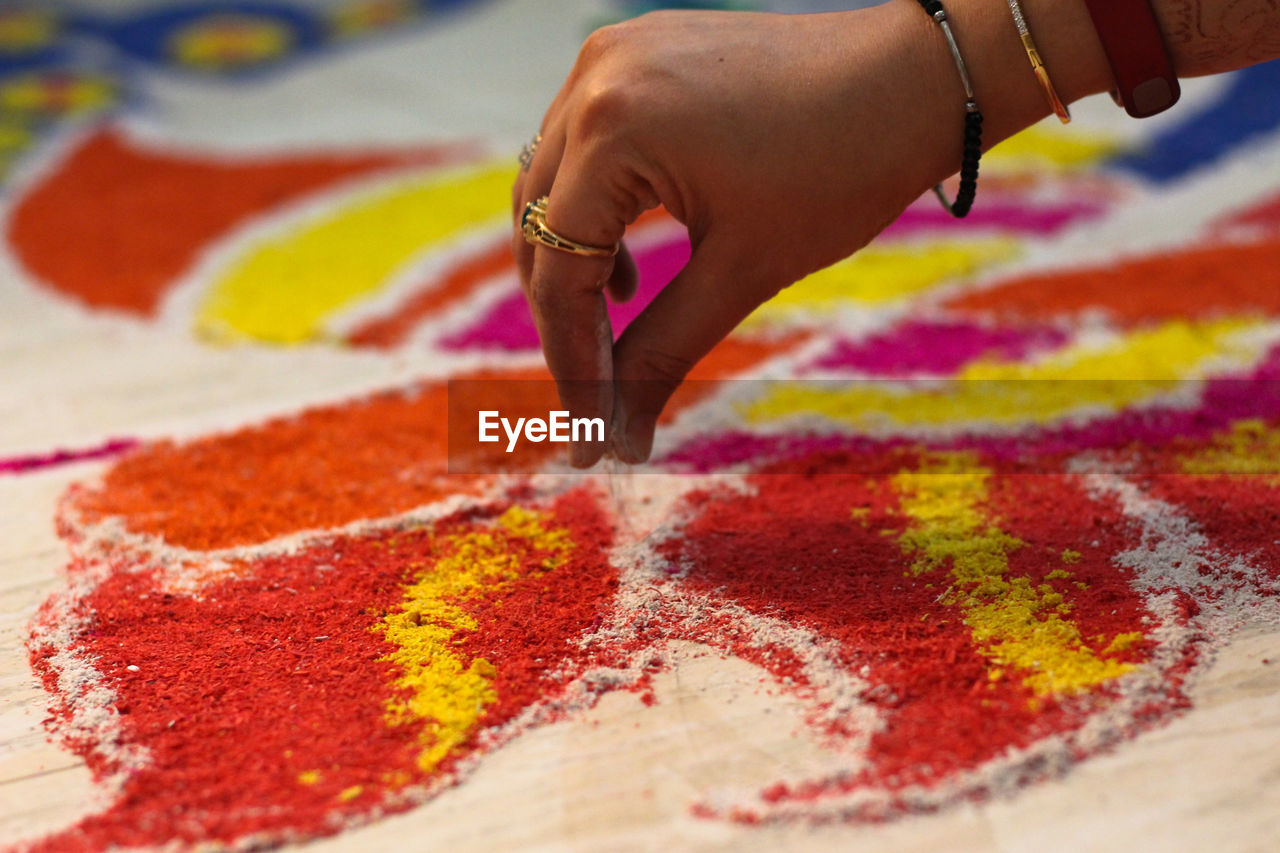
(325, 467)
(1216, 281)
(330, 466)
(392, 330)
(117, 224)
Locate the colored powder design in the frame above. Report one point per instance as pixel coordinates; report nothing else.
(42, 461)
(1043, 146)
(48, 94)
(448, 695)
(87, 229)
(230, 41)
(1149, 438)
(1238, 117)
(1140, 366)
(509, 325)
(1005, 217)
(880, 274)
(343, 463)
(1202, 281)
(455, 284)
(298, 626)
(1018, 625)
(283, 289)
(1263, 217)
(1250, 447)
(986, 606)
(936, 348)
(313, 690)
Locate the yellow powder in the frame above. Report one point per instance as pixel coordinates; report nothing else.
(283, 289)
(878, 275)
(230, 41)
(1249, 447)
(1039, 146)
(80, 95)
(1015, 624)
(1141, 365)
(1123, 642)
(449, 694)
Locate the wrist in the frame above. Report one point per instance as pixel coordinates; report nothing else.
(1004, 84)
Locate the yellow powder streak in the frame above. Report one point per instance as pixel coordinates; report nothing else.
(449, 694)
(1014, 623)
(1038, 147)
(1140, 366)
(283, 289)
(1249, 447)
(878, 275)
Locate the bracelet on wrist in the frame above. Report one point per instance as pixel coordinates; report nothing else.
(972, 122)
(1037, 64)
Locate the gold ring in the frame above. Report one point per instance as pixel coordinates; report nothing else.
(534, 225)
(526, 153)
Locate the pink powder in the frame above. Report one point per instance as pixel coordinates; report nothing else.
(509, 325)
(935, 348)
(25, 464)
(1136, 434)
(1044, 220)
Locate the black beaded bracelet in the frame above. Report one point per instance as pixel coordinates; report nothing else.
(972, 122)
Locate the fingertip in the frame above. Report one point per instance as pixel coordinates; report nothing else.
(637, 435)
(624, 279)
(583, 454)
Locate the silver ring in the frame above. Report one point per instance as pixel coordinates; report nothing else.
(527, 152)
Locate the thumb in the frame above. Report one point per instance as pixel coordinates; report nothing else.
(701, 305)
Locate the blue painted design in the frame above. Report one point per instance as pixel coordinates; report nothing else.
(147, 36)
(16, 59)
(1249, 107)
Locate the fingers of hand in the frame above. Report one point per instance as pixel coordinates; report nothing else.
(532, 185)
(624, 279)
(568, 306)
(691, 315)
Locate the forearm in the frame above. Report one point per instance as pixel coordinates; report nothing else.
(1211, 36)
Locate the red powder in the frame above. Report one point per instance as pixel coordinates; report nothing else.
(116, 224)
(1239, 513)
(276, 673)
(1264, 215)
(794, 551)
(1219, 280)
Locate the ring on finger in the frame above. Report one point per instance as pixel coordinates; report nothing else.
(526, 153)
(534, 225)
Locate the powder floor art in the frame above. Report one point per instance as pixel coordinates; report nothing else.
(986, 556)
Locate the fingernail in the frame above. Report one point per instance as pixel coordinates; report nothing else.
(639, 438)
(583, 454)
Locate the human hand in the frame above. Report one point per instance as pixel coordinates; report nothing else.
(782, 142)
